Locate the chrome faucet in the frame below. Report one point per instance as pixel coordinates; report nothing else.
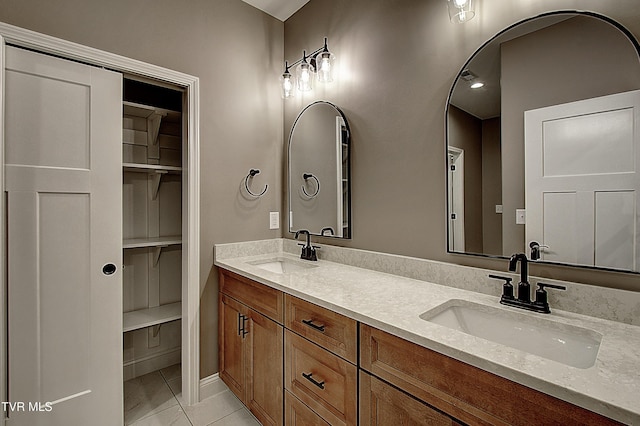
(523, 301)
(308, 251)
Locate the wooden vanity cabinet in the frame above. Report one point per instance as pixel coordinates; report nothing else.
(462, 391)
(320, 363)
(295, 363)
(328, 329)
(382, 404)
(250, 345)
(321, 380)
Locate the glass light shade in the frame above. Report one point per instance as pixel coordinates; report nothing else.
(304, 75)
(325, 66)
(287, 85)
(461, 10)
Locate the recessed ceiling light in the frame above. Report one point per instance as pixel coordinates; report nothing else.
(477, 85)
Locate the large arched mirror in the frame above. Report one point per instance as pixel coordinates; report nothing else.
(319, 172)
(543, 148)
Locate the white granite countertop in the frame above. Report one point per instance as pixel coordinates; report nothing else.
(394, 304)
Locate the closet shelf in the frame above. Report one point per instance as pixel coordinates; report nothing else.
(144, 318)
(151, 242)
(150, 168)
(144, 111)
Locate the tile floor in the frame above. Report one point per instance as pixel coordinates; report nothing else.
(155, 399)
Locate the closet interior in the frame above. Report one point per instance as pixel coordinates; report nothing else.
(152, 151)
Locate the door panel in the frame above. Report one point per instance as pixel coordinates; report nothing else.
(615, 215)
(232, 359)
(265, 364)
(63, 187)
(582, 183)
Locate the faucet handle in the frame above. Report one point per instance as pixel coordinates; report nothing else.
(541, 295)
(507, 287)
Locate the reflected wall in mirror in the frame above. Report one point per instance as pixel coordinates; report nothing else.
(564, 187)
(319, 168)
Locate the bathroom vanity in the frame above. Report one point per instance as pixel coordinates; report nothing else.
(349, 344)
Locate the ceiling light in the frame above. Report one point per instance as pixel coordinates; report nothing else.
(477, 85)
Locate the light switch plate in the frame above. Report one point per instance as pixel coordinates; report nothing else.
(498, 208)
(274, 220)
(521, 216)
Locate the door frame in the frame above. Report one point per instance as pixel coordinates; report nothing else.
(455, 197)
(43, 43)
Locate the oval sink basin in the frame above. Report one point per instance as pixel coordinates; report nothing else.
(282, 265)
(567, 344)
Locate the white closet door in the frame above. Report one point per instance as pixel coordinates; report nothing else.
(63, 186)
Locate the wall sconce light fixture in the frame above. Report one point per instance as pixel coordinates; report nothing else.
(461, 10)
(304, 74)
(318, 65)
(287, 84)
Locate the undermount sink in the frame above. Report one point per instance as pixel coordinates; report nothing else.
(282, 265)
(567, 344)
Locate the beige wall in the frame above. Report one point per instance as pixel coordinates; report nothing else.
(398, 61)
(236, 51)
(491, 187)
(465, 132)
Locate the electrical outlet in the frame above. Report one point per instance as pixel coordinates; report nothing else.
(521, 216)
(274, 220)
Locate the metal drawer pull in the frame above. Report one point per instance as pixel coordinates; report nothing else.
(242, 319)
(319, 327)
(244, 327)
(312, 380)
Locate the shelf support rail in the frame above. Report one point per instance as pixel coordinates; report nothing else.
(156, 254)
(153, 130)
(157, 176)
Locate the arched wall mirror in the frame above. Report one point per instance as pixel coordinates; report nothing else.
(544, 157)
(319, 172)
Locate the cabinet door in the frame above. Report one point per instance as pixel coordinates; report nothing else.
(230, 345)
(64, 207)
(382, 404)
(321, 380)
(298, 414)
(264, 370)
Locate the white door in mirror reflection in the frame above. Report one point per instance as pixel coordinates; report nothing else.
(456, 199)
(581, 181)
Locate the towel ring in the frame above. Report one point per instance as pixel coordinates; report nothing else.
(251, 174)
(315, 194)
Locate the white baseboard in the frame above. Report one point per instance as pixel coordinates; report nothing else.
(141, 366)
(211, 385)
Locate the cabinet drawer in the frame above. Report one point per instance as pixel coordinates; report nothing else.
(467, 393)
(382, 404)
(328, 329)
(298, 414)
(264, 299)
(321, 380)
